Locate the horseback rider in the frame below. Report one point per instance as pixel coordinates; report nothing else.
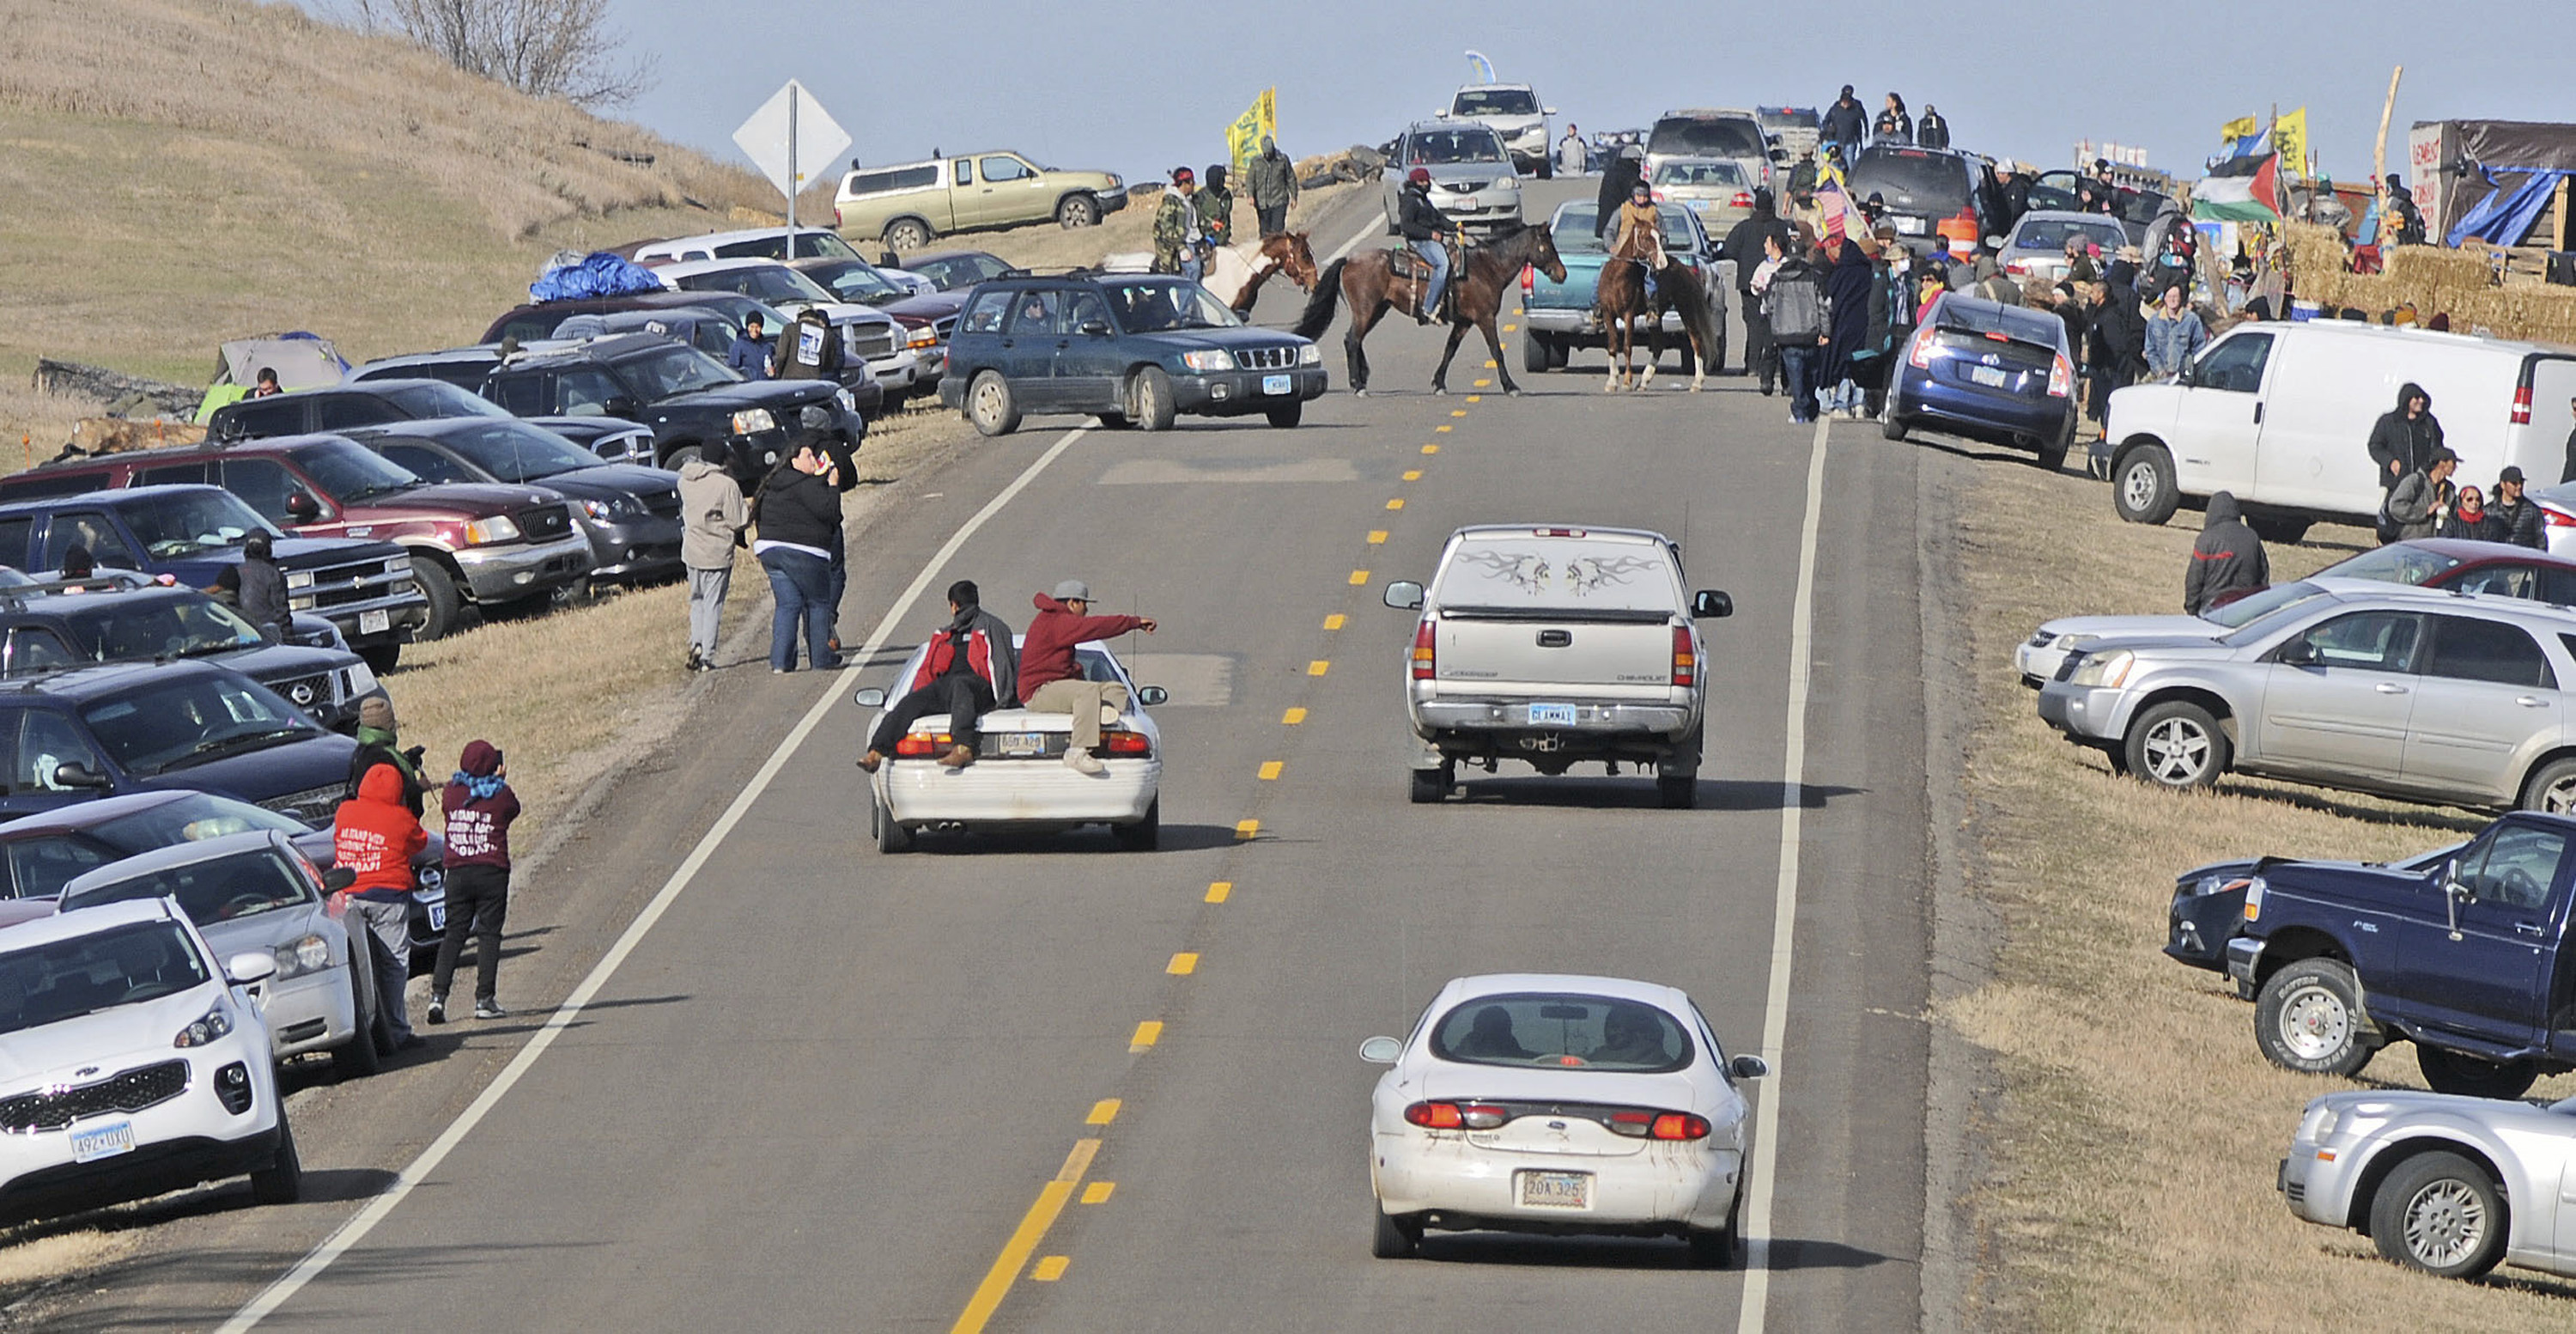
(1426, 229)
(1639, 237)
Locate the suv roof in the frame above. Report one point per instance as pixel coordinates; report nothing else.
(75, 685)
(607, 347)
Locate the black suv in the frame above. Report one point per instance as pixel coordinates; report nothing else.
(140, 727)
(631, 514)
(468, 367)
(42, 632)
(696, 407)
(369, 403)
(555, 319)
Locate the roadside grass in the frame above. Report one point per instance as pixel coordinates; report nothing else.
(2134, 1145)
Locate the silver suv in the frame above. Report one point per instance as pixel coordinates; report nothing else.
(1511, 110)
(1472, 180)
(2421, 694)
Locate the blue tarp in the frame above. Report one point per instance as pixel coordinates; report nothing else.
(598, 274)
(2505, 217)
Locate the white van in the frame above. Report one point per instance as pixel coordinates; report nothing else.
(2280, 415)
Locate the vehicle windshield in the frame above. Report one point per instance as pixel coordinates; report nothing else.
(2052, 234)
(517, 452)
(2398, 564)
(772, 283)
(158, 625)
(1934, 180)
(1706, 136)
(2256, 605)
(2270, 623)
(222, 889)
(1153, 305)
(177, 524)
(1494, 102)
(855, 280)
(425, 401)
(1504, 572)
(40, 866)
(1554, 1031)
(1434, 148)
(350, 472)
(171, 725)
(125, 965)
(1711, 175)
(1572, 229)
(668, 371)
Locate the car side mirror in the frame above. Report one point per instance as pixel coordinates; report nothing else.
(1153, 697)
(1748, 1067)
(2298, 653)
(250, 966)
(1547, 111)
(1095, 328)
(1996, 242)
(869, 697)
(79, 776)
(1780, 155)
(1711, 604)
(1404, 595)
(618, 407)
(302, 508)
(338, 878)
(1381, 1051)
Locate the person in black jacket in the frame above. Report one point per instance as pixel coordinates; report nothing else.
(1425, 228)
(1844, 122)
(2226, 558)
(1617, 179)
(797, 513)
(1743, 244)
(2517, 516)
(1930, 130)
(2404, 437)
(1894, 126)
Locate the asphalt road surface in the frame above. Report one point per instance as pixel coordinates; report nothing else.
(1043, 1085)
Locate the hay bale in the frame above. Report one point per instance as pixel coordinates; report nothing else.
(2424, 266)
(116, 435)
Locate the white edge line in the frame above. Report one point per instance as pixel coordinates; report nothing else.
(349, 1234)
(1784, 909)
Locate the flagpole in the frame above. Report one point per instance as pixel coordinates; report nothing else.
(2379, 155)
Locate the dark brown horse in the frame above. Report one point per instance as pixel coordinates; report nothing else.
(1619, 299)
(1370, 282)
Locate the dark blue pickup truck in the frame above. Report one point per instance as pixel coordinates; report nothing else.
(2464, 953)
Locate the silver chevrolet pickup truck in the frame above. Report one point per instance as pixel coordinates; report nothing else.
(1556, 645)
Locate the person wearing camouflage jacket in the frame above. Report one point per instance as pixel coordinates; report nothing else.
(1178, 240)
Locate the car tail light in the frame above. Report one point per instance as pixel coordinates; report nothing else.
(1529, 279)
(1996, 336)
(2061, 377)
(1924, 338)
(1741, 200)
(2017, 267)
(1638, 1123)
(922, 745)
(1120, 741)
(1456, 1115)
(2557, 518)
(1657, 194)
(1426, 652)
(1556, 532)
(1685, 657)
(2521, 406)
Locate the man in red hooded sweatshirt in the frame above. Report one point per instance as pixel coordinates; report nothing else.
(374, 836)
(1052, 682)
(480, 807)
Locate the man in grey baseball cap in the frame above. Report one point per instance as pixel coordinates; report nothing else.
(1052, 682)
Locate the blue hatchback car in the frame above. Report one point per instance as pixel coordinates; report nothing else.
(1990, 372)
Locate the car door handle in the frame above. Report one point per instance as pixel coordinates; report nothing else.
(2258, 412)
(2391, 688)
(2526, 928)
(2531, 702)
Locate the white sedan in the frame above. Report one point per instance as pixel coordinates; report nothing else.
(1550, 1103)
(1019, 781)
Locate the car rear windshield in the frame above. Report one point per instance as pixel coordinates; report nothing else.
(39, 866)
(130, 629)
(350, 472)
(1710, 174)
(2256, 605)
(1495, 102)
(172, 725)
(1432, 148)
(667, 371)
(177, 524)
(2399, 564)
(125, 965)
(223, 889)
(1706, 136)
(1553, 1031)
(425, 401)
(1510, 572)
(1573, 229)
(1932, 179)
(517, 452)
(2052, 233)
(1971, 315)
(854, 280)
(901, 178)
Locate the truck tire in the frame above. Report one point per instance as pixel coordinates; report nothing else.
(381, 658)
(908, 234)
(1679, 792)
(2451, 1072)
(2551, 788)
(1149, 400)
(1431, 786)
(2308, 1017)
(1077, 211)
(446, 603)
(2142, 485)
(991, 405)
(1535, 357)
(2176, 744)
(2440, 1213)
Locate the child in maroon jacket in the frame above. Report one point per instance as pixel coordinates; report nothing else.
(480, 807)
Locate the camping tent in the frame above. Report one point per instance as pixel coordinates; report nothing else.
(301, 360)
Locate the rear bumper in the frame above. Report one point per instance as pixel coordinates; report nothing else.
(1027, 794)
(524, 570)
(1653, 1191)
(1225, 393)
(633, 549)
(1582, 326)
(1922, 398)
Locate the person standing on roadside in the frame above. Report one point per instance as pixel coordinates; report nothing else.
(970, 667)
(2227, 557)
(1744, 244)
(480, 808)
(1272, 180)
(748, 354)
(380, 743)
(1215, 204)
(1176, 227)
(259, 589)
(2174, 335)
(2517, 516)
(1848, 278)
(809, 349)
(2469, 520)
(374, 839)
(1050, 681)
(1570, 157)
(1894, 126)
(712, 517)
(798, 514)
(2415, 505)
(1796, 309)
(2405, 436)
(1845, 121)
(1931, 131)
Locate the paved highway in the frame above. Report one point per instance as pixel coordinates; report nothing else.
(1042, 1085)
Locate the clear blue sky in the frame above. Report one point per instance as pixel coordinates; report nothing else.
(1138, 88)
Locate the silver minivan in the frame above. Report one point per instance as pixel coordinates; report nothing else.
(2453, 698)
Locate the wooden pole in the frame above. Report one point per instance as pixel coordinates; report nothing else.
(2379, 157)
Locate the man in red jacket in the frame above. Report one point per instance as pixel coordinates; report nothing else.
(1052, 682)
(374, 837)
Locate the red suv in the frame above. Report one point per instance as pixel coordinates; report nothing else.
(485, 544)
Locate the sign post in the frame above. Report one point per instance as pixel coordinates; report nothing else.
(790, 130)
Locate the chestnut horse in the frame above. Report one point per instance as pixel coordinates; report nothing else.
(1235, 273)
(1368, 280)
(1620, 299)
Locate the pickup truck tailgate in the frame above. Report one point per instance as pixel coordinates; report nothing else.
(1537, 654)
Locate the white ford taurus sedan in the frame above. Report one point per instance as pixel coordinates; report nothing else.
(1550, 1103)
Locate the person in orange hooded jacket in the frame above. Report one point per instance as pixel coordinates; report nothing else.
(374, 836)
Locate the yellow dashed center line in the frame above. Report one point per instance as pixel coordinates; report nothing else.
(1049, 1269)
(1147, 1034)
(1292, 717)
(1335, 621)
(1511, 328)
(1032, 1229)
(1098, 1192)
(1377, 537)
(1318, 667)
(1182, 965)
(1395, 504)
(1247, 829)
(1457, 412)
(1442, 430)
(1270, 770)
(1358, 577)
(1220, 890)
(1476, 398)
(1416, 474)
(1482, 384)
(1102, 1113)
(1489, 365)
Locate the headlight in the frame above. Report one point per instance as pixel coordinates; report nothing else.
(1215, 359)
(498, 528)
(399, 566)
(299, 578)
(209, 1026)
(848, 401)
(2320, 1122)
(599, 510)
(2067, 643)
(750, 420)
(2217, 884)
(309, 955)
(357, 680)
(1507, 182)
(1311, 354)
(2108, 670)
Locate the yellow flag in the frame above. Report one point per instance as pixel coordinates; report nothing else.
(2239, 128)
(1258, 121)
(2290, 140)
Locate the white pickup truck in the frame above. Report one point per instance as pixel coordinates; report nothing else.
(1555, 645)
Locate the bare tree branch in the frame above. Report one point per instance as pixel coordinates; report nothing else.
(546, 48)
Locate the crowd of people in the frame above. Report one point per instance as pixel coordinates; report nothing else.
(1193, 219)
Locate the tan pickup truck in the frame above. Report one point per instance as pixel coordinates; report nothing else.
(1555, 646)
(908, 205)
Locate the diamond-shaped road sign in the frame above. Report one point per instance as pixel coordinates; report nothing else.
(792, 139)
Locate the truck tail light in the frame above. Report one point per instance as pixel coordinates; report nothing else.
(2521, 406)
(2061, 377)
(922, 745)
(1426, 652)
(1921, 353)
(1120, 741)
(1456, 1115)
(2017, 268)
(1685, 657)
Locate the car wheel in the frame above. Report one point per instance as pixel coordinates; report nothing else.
(1145, 835)
(907, 234)
(1286, 416)
(446, 605)
(2052, 455)
(381, 658)
(2142, 485)
(1115, 421)
(2279, 528)
(2451, 1072)
(1678, 792)
(2441, 1213)
(358, 1058)
(282, 1181)
(1895, 426)
(1149, 400)
(2551, 788)
(1078, 211)
(1397, 1238)
(1431, 786)
(990, 404)
(1534, 354)
(891, 837)
(1712, 1248)
(2308, 1017)
(2177, 744)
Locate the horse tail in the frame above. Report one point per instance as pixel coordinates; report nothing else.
(1319, 307)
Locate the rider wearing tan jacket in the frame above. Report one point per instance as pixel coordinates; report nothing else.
(1639, 230)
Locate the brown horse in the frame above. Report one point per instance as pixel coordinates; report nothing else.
(1620, 299)
(1369, 281)
(1235, 273)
